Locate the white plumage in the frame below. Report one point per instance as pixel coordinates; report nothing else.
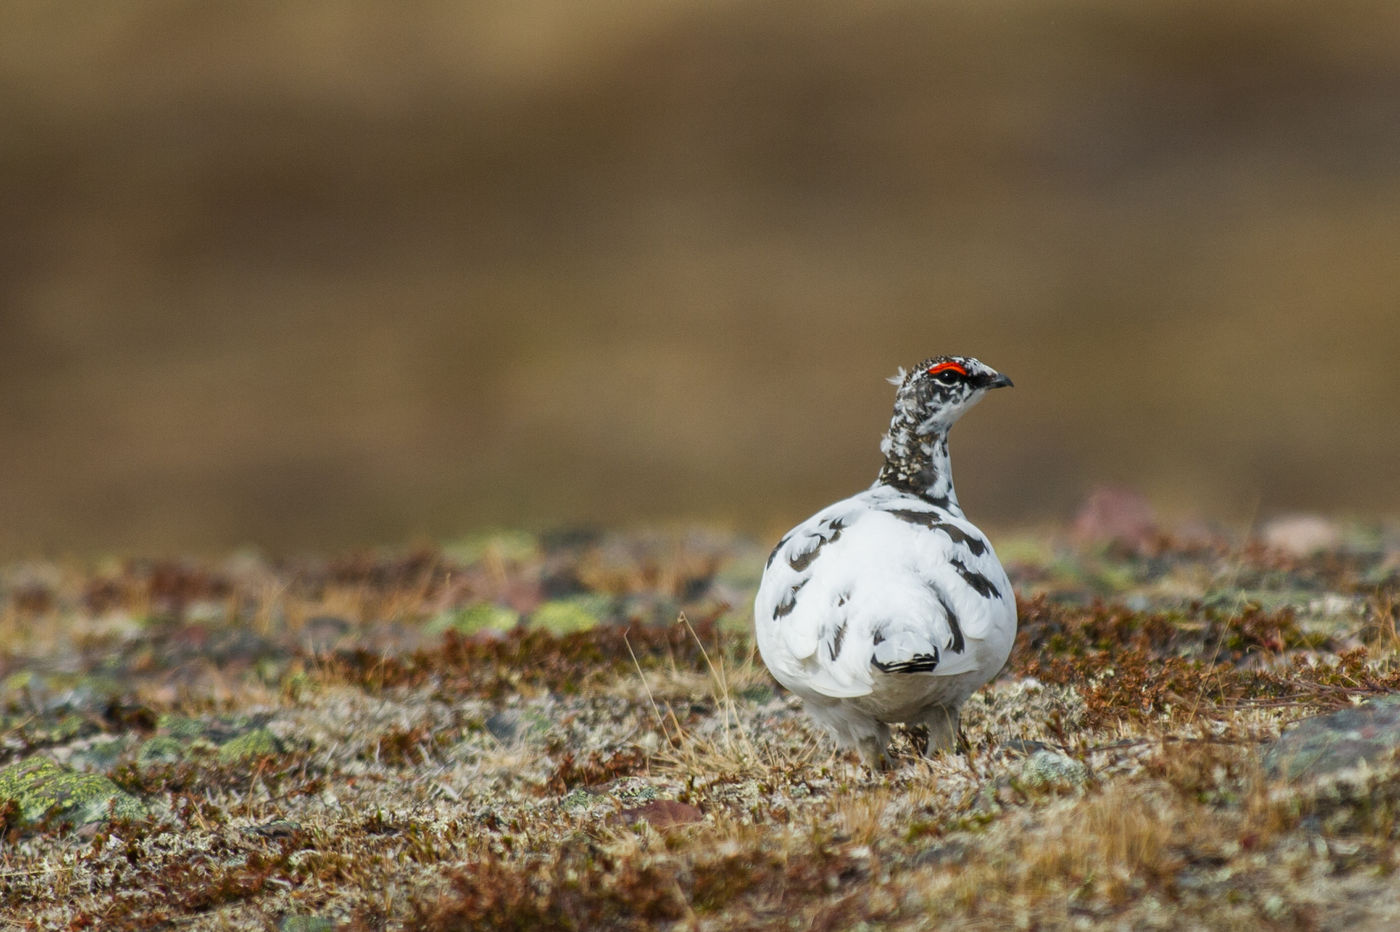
(890, 606)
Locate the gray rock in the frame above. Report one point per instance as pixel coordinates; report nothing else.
(512, 726)
(322, 632)
(1051, 768)
(1337, 741)
(100, 754)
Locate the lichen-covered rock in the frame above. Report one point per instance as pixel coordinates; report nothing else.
(181, 727)
(162, 749)
(1047, 768)
(256, 743)
(45, 791)
(571, 615)
(580, 799)
(473, 619)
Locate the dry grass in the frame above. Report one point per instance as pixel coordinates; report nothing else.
(724, 743)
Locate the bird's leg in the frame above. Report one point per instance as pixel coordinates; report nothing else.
(872, 747)
(872, 753)
(942, 724)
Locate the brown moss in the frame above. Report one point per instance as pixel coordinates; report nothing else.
(1132, 685)
(226, 869)
(582, 887)
(493, 667)
(576, 889)
(155, 587)
(197, 884)
(1140, 666)
(32, 599)
(722, 879)
(814, 882)
(11, 821)
(1329, 682)
(407, 746)
(192, 782)
(597, 768)
(423, 570)
(1204, 770)
(1048, 628)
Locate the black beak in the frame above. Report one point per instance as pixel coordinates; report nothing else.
(999, 381)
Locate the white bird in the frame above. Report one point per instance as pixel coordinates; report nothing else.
(890, 606)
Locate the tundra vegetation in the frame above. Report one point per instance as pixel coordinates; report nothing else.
(572, 730)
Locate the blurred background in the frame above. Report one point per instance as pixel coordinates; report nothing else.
(323, 274)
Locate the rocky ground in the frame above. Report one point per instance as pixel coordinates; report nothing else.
(572, 731)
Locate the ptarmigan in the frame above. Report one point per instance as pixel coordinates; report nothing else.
(890, 606)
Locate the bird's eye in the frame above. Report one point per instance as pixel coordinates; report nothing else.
(948, 373)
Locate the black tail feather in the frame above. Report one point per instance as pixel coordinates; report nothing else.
(919, 663)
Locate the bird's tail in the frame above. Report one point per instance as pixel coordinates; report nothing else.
(905, 652)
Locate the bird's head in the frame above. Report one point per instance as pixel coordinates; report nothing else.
(936, 392)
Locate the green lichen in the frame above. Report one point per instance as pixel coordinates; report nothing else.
(503, 545)
(475, 618)
(571, 615)
(253, 744)
(21, 681)
(1047, 768)
(162, 749)
(181, 727)
(305, 924)
(633, 790)
(579, 799)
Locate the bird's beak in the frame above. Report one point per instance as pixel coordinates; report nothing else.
(999, 381)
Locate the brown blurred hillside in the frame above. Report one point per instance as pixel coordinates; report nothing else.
(325, 273)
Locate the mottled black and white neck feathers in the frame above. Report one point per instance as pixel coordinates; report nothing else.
(889, 606)
(931, 397)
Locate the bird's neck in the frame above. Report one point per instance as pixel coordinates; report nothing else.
(918, 462)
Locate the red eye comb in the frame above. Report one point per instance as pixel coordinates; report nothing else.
(945, 366)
